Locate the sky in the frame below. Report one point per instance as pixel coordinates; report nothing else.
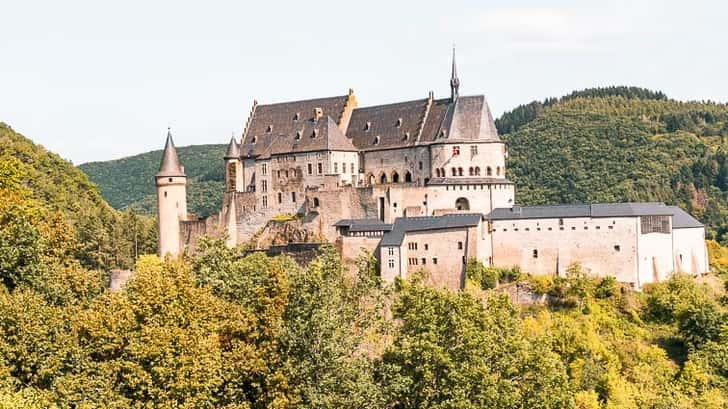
(99, 80)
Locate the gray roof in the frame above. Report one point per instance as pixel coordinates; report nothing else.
(403, 225)
(682, 220)
(357, 225)
(233, 150)
(170, 165)
(466, 180)
(582, 210)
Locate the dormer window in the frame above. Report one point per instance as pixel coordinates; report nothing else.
(442, 133)
(315, 133)
(253, 140)
(399, 122)
(376, 140)
(298, 134)
(406, 136)
(297, 116)
(270, 128)
(367, 126)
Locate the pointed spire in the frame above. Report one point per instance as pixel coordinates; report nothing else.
(170, 165)
(233, 150)
(454, 81)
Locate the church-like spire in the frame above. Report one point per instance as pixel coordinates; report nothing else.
(454, 81)
(233, 150)
(170, 165)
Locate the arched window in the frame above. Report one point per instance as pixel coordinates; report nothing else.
(454, 172)
(460, 171)
(383, 178)
(477, 171)
(407, 177)
(395, 177)
(488, 171)
(442, 171)
(315, 202)
(462, 204)
(497, 171)
(437, 172)
(370, 179)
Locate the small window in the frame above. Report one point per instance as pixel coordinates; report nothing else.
(610, 227)
(265, 202)
(280, 197)
(253, 140)
(399, 122)
(265, 169)
(165, 193)
(454, 171)
(293, 197)
(270, 128)
(455, 150)
(310, 169)
(336, 167)
(315, 202)
(298, 134)
(367, 126)
(170, 180)
(434, 260)
(573, 227)
(617, 247)
(297, 116)
(561, 222)
(320, 168)
(376, 140)
(391, 263)
(460, 245)
(419, 165)
(314, 133)
(427, 246)
(264, 186)
(424, 261)
(353, 171)
(391, 251)
(535, 253)
(460, 172)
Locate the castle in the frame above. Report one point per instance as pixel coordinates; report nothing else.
(421, 184)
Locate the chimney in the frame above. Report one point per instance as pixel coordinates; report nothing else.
(317, 113)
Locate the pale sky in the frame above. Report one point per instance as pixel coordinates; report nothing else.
(98, 80)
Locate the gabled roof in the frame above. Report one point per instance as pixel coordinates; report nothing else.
(276, 123)
(404, 225)
(682, 220)
(170, 165)
(358, 225)
(392, 125)
(581, 210)
(472, 120)
(320, 135)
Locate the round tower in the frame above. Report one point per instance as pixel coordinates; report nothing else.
(171, 185)
(233, 168)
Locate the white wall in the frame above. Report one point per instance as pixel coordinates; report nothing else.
(690, 251)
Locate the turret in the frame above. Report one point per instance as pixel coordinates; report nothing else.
(454, 80)
(233, 167)
(171, 185)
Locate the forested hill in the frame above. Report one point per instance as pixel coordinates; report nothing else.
(43, 194)
(621, 144)
(129, 182)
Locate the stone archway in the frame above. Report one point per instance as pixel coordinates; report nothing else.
(462, 204)
(370, 179)
(407, 177)
(395, 177)
(383, 178)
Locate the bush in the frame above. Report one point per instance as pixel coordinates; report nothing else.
(486, 277)
(606, 288)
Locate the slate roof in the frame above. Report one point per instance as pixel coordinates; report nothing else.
(170, 165)
(581, 210)
(683, 220)
(233, 150)
(398, 125)
(323, 134)
(403, 225)
(358, 225)
(467, 181)
(277, 124)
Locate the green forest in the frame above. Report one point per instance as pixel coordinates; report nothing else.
(128, 183)
(216, 330)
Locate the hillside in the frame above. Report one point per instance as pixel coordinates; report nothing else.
(61, 196)
(614, 145)
(129, 182)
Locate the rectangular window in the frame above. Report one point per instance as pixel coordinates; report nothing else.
(320, 168)
(265, 169)
(419, 165)
(293, 197)
(352, 169)
(455, 150)
(473, 150)
(391, 263)
(427, 247)
(535, 253)
(655, 224)
(460, 244)
(434, 260)
(336, 167)
(263, 186)
(279, 174)
(424, 261)
(391, 251)
(280, 197)
(310, 169)
(265, 202)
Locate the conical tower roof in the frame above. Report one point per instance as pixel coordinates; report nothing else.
(170, 165)
(233, 150)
